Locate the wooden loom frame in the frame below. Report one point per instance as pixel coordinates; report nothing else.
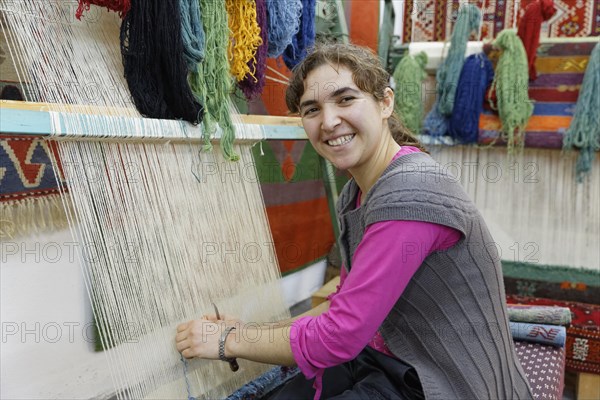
(29, 118)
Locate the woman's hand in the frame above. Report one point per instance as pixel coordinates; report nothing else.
(269, 344)
(200, 338)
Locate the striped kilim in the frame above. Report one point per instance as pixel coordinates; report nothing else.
(560, 67)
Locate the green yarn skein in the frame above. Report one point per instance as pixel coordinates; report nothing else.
(584, 131)
(212, 81)
(511, 83)
(408, 76)
(468, 20)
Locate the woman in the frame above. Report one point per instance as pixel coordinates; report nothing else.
(420, 311)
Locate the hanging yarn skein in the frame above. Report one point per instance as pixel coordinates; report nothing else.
(192, 33)
(252, 85)
(511, 86)
(283, 23)
(120, 6)
(530, 26)
(476, 75)
(409, 75)
(212, 82)
(305, 38)
(468, 20)
(436, 123)
(245, 35)
(155, 68)
(584, 131)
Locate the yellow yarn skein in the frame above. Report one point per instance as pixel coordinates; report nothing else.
(244, 38)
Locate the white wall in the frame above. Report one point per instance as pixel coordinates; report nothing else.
(47, 349)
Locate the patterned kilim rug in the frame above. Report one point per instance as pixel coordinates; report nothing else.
(432, 20)
(29, 196)
(583, 335)
(291, 176)
(544, 367)
(551, 282)
(560, 67)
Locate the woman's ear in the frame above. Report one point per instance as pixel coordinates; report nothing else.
(387, 103)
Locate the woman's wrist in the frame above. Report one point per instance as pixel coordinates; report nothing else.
(222, 343)
(224, 352)
(269, 344)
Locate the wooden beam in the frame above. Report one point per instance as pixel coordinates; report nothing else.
(26, 118)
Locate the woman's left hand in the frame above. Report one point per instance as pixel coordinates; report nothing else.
(199, 338)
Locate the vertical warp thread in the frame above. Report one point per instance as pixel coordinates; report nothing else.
(511, 84)
(252, 85)
(187, 379)
(584, 131)
(409, 75)
(192, 33)
(475, 77)
(212, 82)
(155, 69)
(304, 39)
(283, 23)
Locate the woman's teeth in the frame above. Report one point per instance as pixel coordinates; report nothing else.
(340, 141)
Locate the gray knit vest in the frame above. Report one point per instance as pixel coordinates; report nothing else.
(451, 322)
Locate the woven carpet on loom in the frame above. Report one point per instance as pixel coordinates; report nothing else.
(583, 335)
(432, 20)
(560, 67)
(291, 177)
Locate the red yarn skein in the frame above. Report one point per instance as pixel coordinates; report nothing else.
(120, 6)
(530, 27)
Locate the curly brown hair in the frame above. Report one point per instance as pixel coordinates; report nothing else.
(367, 73)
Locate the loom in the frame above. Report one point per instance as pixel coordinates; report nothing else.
(160, 228)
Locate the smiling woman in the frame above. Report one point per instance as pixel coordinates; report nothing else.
(420, 311)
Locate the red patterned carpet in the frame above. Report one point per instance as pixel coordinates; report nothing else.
(429, 20)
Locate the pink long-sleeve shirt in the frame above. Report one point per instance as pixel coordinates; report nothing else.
(383, 264)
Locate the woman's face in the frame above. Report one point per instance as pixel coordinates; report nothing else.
(344, 124)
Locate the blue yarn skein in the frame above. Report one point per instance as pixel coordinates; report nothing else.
(305, 38)
(436, 122)
(283, 23)
(476, 75)
(192, 33)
